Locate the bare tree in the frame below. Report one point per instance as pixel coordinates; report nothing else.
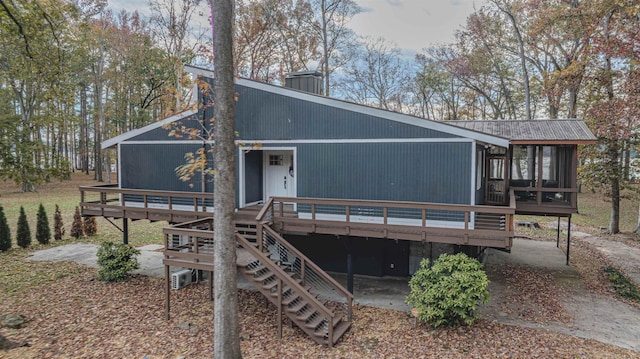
(171, 20)
(507, 9)
(377, 75)
(330, 26)
(226, 336)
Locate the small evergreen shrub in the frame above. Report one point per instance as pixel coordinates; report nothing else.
(43, 232)
(116, 261)
(449, 292)
(5, 232)
(90, 226)
(76, 226)
(23, 235)
(58, 225)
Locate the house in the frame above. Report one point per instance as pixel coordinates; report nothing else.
(324, 184)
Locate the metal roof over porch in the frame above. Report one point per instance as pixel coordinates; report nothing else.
(523, 132)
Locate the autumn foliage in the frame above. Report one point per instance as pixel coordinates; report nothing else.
(90, 226)
(58, 225)
(76, 227)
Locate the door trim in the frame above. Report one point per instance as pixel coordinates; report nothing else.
(241, 173)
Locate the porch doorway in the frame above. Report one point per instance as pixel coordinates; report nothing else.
(497, 173)
(279, 174)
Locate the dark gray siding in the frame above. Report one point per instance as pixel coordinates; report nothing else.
(152, 166)
(162, 134)
(262, 115)
(421, 172)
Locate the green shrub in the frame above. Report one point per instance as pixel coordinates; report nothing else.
(116, 261)
(43, 232)
(5, 232)
(23, 235)
(449, 292)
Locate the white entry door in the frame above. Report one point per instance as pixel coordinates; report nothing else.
(279, 174)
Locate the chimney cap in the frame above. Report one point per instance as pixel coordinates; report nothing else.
(303, 73)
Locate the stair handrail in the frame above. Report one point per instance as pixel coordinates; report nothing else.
(308, 262)
(263, 212)
(282, 275)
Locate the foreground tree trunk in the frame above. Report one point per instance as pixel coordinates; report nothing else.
(226, 336)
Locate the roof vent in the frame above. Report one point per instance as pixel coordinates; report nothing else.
(308, 81)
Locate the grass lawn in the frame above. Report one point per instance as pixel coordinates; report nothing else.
(67, 196)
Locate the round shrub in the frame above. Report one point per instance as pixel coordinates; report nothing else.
(449, 292)
(116, 261)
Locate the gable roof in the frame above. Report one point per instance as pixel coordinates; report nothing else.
(522, 132)
(138, 131)
(368, 110)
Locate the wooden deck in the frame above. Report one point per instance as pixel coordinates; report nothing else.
(486, 226)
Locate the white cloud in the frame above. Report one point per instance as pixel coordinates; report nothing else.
(412, 24)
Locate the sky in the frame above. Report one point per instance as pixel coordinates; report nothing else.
(411, 24)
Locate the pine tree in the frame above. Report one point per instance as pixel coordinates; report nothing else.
(90, 226)
(58, 225)
(43, 231)
(24, 233)
(76, 226)
(5, 232)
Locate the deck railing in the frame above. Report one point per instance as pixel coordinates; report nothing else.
(431, 222)
(322, 284)
(173, 206)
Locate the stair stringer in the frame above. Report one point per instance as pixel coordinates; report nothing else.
(291, 297)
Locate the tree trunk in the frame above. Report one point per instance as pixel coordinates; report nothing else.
(637, 229)
(226, 335)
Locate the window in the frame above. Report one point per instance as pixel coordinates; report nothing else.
(275, 160)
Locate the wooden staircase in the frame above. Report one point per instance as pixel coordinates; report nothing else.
(301, 291)
(322, 320)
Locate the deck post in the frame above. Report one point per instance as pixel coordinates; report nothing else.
(568, 238)
(211, 286)
(279, 308)
(167, 289)
(347, 245)
(125, 231)
(558, 234)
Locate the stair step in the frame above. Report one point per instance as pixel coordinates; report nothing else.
(304, 316)
(313, 323)
(254, 271)
(262, 277)
(270, 285)
(297, 306)
(321, 331)
(340, 329)
(290, 299)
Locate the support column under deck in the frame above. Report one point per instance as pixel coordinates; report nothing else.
(125, 231)
(568, 238)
